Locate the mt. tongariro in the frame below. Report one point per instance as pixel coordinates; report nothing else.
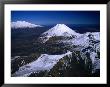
(61, 52)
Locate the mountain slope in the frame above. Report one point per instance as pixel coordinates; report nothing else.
(44, 62)
(59, 30)
(62, 50)
(85, 39)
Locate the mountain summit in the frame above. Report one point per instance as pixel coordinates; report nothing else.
(60, 30)
(59, 52)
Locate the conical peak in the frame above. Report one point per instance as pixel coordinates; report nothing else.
(60, 30)
(61, 25)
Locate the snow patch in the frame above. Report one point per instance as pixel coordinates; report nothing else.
(95, 61)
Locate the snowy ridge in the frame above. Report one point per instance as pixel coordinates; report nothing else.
(23, 24)
(44, 62)
(84, 39)
(86, 46)
(90, 42)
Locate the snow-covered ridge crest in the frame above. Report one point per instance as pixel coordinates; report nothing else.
(85, 39)
(44, 62)
(23, 24)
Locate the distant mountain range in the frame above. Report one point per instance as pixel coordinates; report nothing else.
(23, 24)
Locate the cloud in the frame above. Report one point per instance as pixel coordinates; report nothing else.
(23, 24)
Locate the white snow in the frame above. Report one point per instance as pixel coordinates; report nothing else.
(96, 35)
(95, 61)
(83, 39)
(44, 62)
(23, 24)
(59, 30)
(92, 56)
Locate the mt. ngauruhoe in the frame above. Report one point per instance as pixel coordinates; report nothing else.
(59, 30)
(62, 52)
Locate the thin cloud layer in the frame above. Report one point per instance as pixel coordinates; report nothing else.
(23, 24)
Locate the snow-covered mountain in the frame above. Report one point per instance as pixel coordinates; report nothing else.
(85, 39)
(59, 30)
(44, 62)
(81, 50)
(23, 24)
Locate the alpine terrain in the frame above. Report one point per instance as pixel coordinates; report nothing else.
(61, 52)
